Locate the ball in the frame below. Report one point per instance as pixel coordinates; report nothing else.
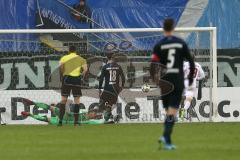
(146, 88)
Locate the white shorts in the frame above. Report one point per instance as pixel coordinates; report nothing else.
(189, 91)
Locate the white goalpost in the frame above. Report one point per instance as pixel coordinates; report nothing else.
(110, 30)
(28, 57)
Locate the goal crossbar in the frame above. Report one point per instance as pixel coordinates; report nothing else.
(112, 30)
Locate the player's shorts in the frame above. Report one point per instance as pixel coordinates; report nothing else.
(71, 84)
(189, 91)
(107, 97)
(173, 98)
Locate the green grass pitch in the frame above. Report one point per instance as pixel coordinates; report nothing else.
(196, 141)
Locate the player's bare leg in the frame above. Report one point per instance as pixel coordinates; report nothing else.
(186, 105)
(76, 110)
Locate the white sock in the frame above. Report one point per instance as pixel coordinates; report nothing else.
(186, 105)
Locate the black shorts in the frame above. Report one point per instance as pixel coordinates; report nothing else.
(173, 99)
(174, 91)
(107, 97)
(71, 84)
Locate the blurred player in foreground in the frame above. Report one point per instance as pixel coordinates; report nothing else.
(112, 74)
(84, 117)
(190, 90)
(170, 53)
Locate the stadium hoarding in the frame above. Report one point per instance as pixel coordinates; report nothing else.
(30, 71)
(33, 76)
(142, 110)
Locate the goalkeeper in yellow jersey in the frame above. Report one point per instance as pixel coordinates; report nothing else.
(85, 117)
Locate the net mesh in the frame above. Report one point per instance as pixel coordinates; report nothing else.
(29, 69)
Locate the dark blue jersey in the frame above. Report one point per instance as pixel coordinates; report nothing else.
(113, 74)
(171, 52)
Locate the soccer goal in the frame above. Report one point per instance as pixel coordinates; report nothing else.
(30, 58)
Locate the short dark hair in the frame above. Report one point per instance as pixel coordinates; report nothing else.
(168, 24)
(110, 55)
(72, 49)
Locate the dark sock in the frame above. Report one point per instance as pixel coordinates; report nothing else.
(107, 115)
(62, 112)
(76, 113)
(168, 127)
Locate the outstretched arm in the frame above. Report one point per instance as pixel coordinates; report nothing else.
(40, 118)
(27, 102)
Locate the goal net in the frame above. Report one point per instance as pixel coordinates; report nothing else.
(29, 69)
